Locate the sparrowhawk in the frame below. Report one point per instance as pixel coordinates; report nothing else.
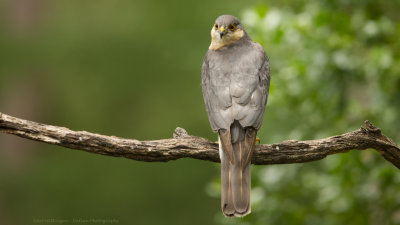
(235, 83)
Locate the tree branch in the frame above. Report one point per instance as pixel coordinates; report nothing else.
(184, 145)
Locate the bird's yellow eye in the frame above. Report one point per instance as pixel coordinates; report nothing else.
(216, 26)
(232, 27)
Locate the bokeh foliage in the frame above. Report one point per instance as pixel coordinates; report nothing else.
(334, 65)
(132, 69)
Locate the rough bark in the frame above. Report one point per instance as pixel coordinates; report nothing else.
(183, 145)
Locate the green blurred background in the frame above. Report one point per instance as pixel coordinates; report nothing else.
(132, 69)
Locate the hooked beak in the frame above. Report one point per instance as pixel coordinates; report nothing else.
(222, 32)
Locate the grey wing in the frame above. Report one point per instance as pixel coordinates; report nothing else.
(208, 94)
(263, 87)
(254, 109)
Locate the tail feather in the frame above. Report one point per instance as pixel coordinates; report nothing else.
(240, 182)
(235, 174)
(226, 192)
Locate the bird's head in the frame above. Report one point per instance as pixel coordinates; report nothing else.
(226, 30)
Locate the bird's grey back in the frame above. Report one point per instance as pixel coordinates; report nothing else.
(235, 84)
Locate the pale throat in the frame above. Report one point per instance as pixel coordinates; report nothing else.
(229, 38)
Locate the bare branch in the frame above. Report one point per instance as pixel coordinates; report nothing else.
(185, 146)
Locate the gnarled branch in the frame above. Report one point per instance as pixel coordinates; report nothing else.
(184, 145)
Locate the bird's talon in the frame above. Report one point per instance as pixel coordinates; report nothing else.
(257, 140)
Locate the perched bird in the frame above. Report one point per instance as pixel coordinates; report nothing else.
(235, 83)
